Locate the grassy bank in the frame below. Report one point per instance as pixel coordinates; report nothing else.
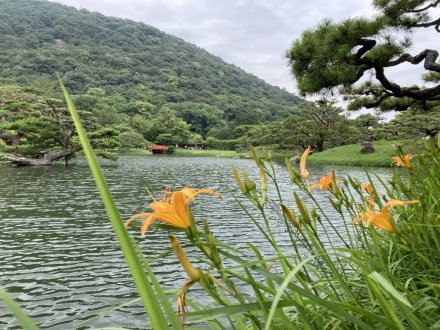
(351, 154)
(344, 155)
(261, 151)
(208, 153)
(186, 152)
(133, 152)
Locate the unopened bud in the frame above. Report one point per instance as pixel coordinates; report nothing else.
(290, 215)
(193, 273)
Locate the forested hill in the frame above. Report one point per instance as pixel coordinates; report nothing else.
(130, 62)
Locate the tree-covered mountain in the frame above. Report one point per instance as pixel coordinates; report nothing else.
(133, 68)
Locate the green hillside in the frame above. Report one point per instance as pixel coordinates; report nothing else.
(129, 61)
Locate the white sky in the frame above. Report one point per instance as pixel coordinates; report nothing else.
(252, 34)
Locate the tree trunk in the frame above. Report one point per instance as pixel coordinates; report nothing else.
(320, 145)
(12, 139)
(46, 160)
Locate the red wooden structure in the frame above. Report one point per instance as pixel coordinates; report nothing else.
(157, 149)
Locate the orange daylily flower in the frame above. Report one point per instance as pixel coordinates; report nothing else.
(371, 202)
(371, 199)
(302, 166)
(383, 218)
(403, 161)
(173, 209)
(302, 163)
(325, 182)
(368, 188)
(380, 219)
(396, 202)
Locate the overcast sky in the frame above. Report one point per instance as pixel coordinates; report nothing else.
(252, 34)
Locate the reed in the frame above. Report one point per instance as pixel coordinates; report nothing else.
(153, 297)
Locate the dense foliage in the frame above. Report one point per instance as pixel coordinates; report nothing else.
(364, 49)
(40, 130)
(129, 68)
(319, 124)
(137, 85)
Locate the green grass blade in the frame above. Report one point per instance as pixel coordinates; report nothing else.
(387, 308)
(281, 290)
(107, 312)
(207, 314)
(387, 286)
(145, 289)
(15, 309)
(336, 307)
(260, 298)
(160, 294)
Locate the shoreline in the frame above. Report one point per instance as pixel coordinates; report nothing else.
(348, 155)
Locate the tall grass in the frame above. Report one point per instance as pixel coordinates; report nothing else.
(20, 315)
(153, 297)
(380, 271)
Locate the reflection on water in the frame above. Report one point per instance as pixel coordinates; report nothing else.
(59, 257)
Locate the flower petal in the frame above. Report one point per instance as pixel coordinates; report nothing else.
(166, 212)
(180, 204)
(137, 216)
(302, 163)
(146, 223)
(191, 193)
(368, 188)
(396, 202)
(403, 161)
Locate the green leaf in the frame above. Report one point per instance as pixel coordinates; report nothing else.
(16, 310)
(207, 314)
(387, 286)
(281, 290)
(143, 284)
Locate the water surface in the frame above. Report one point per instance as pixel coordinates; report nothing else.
(59, 257)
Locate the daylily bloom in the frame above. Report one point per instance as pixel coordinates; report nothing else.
(403, 161)
(383, 218)
(325, 182)
(380, 219)
(302, 166)
(396, 202)
(302, 163)
(173, 209)
(368, 188)
(371, 199)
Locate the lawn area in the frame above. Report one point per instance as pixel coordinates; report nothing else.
(351, 154)
(278, 154)
(186, 152)
(208, 153)
(344, 155)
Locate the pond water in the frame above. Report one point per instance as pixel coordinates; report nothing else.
(59, 257)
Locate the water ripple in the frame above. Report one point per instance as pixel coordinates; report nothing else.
(59, 257)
